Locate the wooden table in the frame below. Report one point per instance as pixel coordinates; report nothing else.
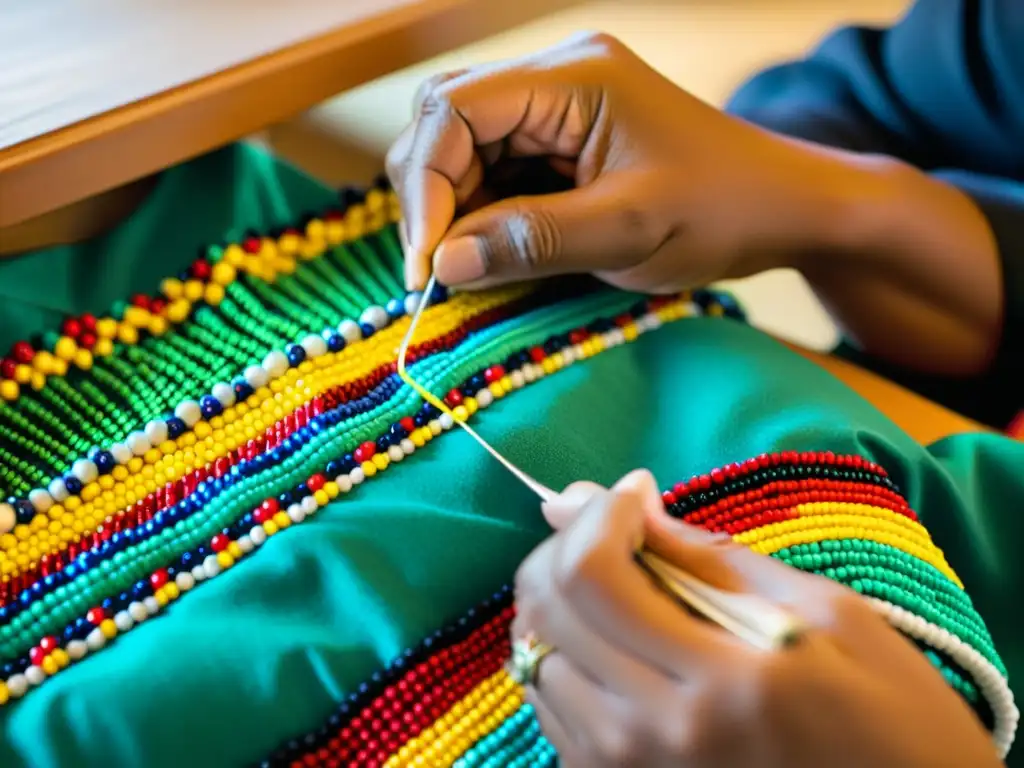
(98, 93)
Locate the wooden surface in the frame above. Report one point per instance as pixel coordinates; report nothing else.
(97, 93)
(922, 419)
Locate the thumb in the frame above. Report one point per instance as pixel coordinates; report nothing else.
(599, 227)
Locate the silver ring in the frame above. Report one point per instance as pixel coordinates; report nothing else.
(527, 654)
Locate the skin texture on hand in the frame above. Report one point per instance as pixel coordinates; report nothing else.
(657, 191)
(635, 680)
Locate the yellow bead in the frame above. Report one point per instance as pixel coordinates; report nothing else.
(381, 461)
(178, 310)
(106, 482)
(630, 332)
(194, 290)
(335, 232)
(103, 348)
(108, 628)
(172, 591)
(90, 492)
(322, 498)
(9, 390)
(233, 255)
(60, 656)
(5, 695)
(225, 559)
(417, 438)
(38, 381)
(158, 325)
(270, 528)
(495, 389)
(331, 489)
(161, 597)
(44, 362)
(235, 550)
(281, 520)
(214, 294)
(127, 334)
(106, 328)
(83, 359)
(202, 430)
(136, 316)
(369, 468)
(460, 413)
(72, 503)
(289, 243)
(135, 465)
(548, 365)
(65, 348)
(49, 666)
(472, 406)
(152, 456)
(172, 288)
(23, 374)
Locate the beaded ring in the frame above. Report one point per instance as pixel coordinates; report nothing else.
(150, 448)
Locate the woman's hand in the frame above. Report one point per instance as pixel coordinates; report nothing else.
(665, 192)
(634, 680)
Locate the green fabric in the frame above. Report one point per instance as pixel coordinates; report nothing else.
(260, 653)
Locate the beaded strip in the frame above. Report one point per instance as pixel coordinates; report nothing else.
(144, 571)
(448, 702)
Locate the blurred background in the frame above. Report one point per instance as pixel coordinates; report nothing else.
(706, 46)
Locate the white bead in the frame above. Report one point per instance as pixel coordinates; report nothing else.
(376, 316)
(315, 346)
(7, 518)
(408, 446)
(76, 650)
(350, 331)
(568, 355)
(122, 453)
(138, 443)
(245, 544)
(189, 412)
(357, 476)
(198, 573)
(256, 376)
(517, 379)
(529, 374)
(344, 483)
(35, 675)
(275, 364)
(484, 398)
(395, 453)
(446, 421)
(412, 303)
(296, 513)
(17, 686)
(309, 505)
(224, 393)
(185, 581)
(85, 470)
(435, 427)
(211, 566)
(95, 640)
(257, 535)
(123, 621)
(58, 490)
(40, 499)
(156, 431)
(138, 611)
(152, 606)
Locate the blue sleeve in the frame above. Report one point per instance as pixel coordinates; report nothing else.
(942, 89)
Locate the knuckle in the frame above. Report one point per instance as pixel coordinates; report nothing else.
(527, 240)
(431, 85)
(619, 744)
(603, 42)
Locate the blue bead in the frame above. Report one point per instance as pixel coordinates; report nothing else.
(383, 443)
(295, 353)
(395, 308)
(140, 590)
(105, 462)
(439, 294)
(367, 329)
(398, 431)
(175, 428)
(210, 406)
(242, 389)
(24, 511)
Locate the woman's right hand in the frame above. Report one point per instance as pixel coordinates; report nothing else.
(665, 192)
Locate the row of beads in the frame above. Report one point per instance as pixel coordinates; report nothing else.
(131, 552)
(86, 336)
(189, 412)
(376, 351)
(266, 521)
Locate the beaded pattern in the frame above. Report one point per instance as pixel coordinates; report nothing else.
(150, 449)
(448, 703)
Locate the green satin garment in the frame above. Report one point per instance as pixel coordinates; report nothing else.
(260, 653)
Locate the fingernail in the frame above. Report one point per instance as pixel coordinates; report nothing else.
(564, 507)
(459, 261)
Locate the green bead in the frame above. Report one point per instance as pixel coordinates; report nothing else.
(117, 309)
(48, 340)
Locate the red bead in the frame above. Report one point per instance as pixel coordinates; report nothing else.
(49, 644)
(141, 300)
(266, 510)
(219, 542)
(407, 423)
(316, 482)
(158, 579)
(22, 352)
(36, 656)
(8, 367)
(537, 354)
(668, 498)
(201, 269)
(71, 327)
(251, 245)
(88, 321)
(95, 615)
(493, 374)
(157, 305)
(453, 398)
(87, 339)
(365, 451)
(578, 336)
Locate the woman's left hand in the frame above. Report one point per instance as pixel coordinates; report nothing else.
(634, 680)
